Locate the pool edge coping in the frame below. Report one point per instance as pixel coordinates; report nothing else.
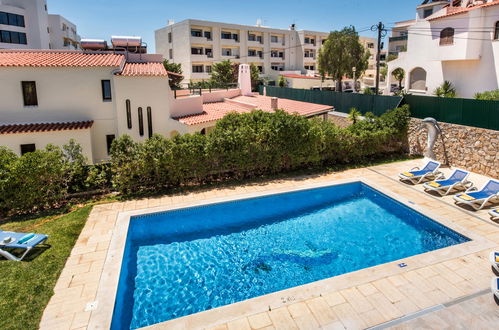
(107, 290)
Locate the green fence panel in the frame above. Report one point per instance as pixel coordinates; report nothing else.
(469, 112)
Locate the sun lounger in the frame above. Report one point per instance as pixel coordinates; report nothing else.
(494, 287)
(494, 214)
(478, 199)
(417, 175)
(457, 181)
(494, 260)
(10, 241)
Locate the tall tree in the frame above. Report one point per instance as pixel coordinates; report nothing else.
(223, 73)
(175, 79)
(255, 76)
(341, 52)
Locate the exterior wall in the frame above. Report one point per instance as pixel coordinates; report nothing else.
(305, 83)
(36, 23)
(470, 148)
(144, 92)
(41, 139)
(473, 55)
(64, 94)
(63, 34)
(290, 42)
(43, 31)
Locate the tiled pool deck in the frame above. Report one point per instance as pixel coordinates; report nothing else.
(439, 289)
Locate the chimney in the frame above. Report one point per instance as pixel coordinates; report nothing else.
(274, 103)
(171, 22)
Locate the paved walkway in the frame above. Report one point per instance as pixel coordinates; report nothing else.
(362, 299)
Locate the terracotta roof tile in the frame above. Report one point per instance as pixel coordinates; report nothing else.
(144, 69)
(241, 104)
(299, 76)
(46, 58)
(44, 127)
(451, 11)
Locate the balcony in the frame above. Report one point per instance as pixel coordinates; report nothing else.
(399, 38)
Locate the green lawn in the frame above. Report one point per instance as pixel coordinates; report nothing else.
(26, 286)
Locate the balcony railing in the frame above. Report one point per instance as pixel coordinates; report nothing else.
(400, 38)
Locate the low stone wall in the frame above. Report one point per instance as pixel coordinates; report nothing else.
(471, 148)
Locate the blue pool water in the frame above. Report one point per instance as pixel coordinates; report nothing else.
(186, 261)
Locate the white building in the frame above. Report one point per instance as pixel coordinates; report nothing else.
(196, 45)
(26, 24)
(51, 96)
(459, 43)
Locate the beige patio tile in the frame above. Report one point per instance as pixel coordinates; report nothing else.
(373, 317)
(367, 289)
(281, 319)
(240, 324)
(334, 298)
(218, 327)
(260, 320)
(322, 311)
(384, 306)
(302, 316)
(80, 320)
(389, 290)
(357, 300)
(348, 316)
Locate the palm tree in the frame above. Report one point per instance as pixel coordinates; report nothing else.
(399, 74)
(446, 90)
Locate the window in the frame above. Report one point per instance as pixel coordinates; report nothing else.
(208, 68)
(447, 36)
(11, 19)
(418, 79)
(251, 37)
(226, 52)
(29, 93)
(207, 35)
(149, 121)
(169, 37)
(12, 37)
(274, 39)
(226, 35)
(427, 12)
(251, 52)
(196, 33)
(208, 52)
(141, 121)
(109, 142)
(197, 68)
(260, 68)
(370, 45)
(25, 148)
(235, 37)
(170, 53)
(128, 114)
(259, 39)
(496, 32)
(106, 90)
(197, 51)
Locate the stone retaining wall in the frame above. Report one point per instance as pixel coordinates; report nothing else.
(470, 148)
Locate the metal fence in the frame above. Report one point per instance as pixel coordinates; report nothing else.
(342, 102)
(469, 112)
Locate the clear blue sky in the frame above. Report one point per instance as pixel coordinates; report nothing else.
(103, 18)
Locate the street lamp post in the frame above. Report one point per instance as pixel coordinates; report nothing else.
(354, 69)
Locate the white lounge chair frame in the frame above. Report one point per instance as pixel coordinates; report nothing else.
(477, 204)
(494, 214)
(435, 174)
(445, 190)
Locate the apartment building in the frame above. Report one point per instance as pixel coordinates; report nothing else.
(399, 37)
(197, 44)
(459, 43)
(26, 24)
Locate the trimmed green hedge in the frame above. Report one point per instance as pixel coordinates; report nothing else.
(252, 144)
(240, 146)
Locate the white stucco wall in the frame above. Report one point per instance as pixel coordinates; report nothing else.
(471, 63)
(41, 139)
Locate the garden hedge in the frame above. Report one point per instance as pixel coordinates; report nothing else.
(240, 146)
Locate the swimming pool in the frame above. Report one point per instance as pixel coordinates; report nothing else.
(189, 260)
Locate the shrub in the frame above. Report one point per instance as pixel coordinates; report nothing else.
(249, 144)
(447, 89)
(489, 95)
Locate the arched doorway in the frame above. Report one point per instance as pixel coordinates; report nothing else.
(417, 79)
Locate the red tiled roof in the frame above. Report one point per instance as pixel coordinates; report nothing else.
(44, 127)
(451, 11)
(300, 76)
(241, 104)
(144, 69)
(46, 58)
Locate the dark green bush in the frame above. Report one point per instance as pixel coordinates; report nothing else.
(256, 143)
